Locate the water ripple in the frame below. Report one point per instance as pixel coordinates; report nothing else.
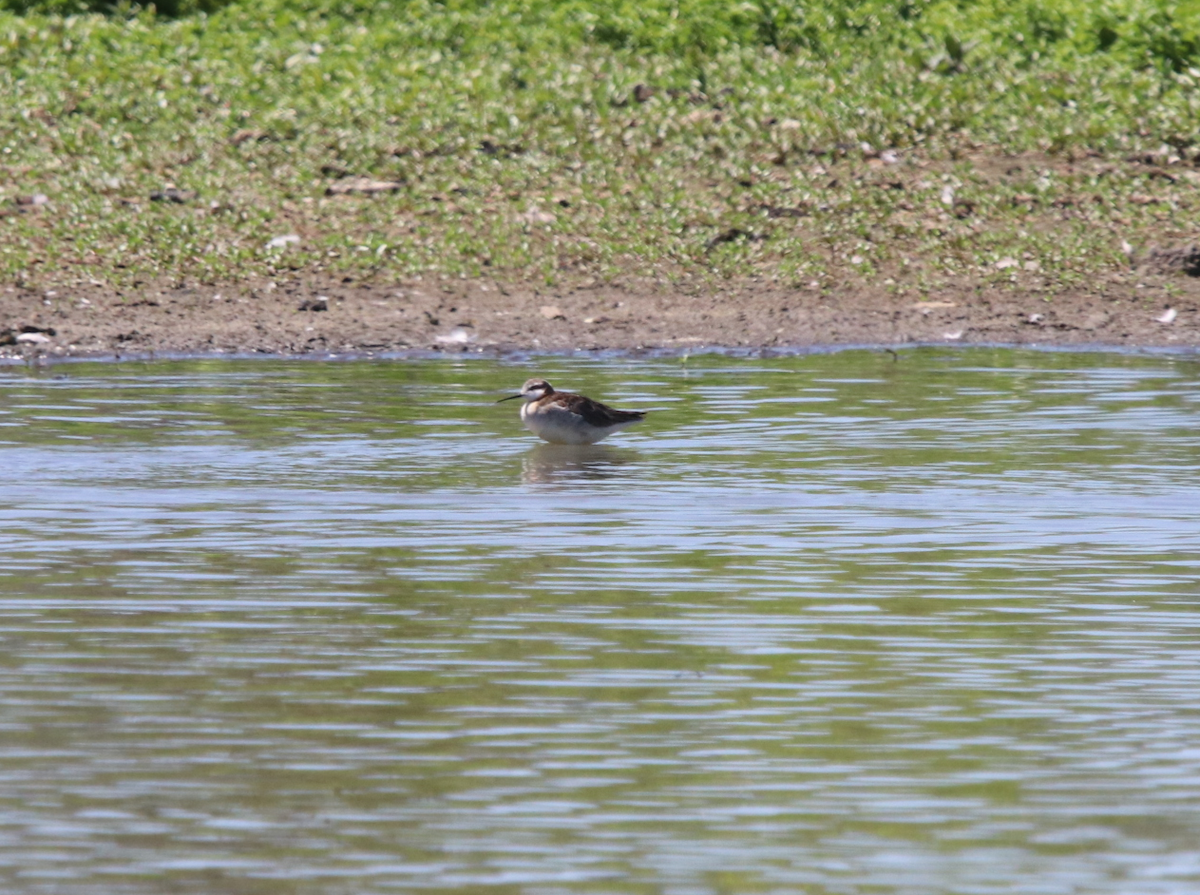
(824, 624)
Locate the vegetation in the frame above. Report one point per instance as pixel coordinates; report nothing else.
(891, 140)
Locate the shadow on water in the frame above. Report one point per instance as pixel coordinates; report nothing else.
(547, 464)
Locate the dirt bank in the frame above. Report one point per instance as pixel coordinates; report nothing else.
(315, 316)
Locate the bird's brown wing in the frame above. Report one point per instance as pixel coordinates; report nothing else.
(596, 414)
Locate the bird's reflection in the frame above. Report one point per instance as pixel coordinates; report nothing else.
(552, 463)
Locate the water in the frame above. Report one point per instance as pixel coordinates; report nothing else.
(824, 624)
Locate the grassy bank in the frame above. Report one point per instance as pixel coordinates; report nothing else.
(892, 142)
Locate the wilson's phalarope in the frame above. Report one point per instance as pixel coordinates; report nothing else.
(564, 418)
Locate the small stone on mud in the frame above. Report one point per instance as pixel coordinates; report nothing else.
(246, 136)
(926, 306)
(457, 336)
(1006, 263)
(552, 312)
(537, 216)
(282, 242)
(173, 194)
(364, 185)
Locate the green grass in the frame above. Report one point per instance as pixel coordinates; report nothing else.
(527, 151)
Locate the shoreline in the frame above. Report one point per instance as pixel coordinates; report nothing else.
(319, 317)
(44, 361)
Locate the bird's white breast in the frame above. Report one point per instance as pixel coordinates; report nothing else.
(560, 426)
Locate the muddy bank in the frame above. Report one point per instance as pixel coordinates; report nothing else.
(316, 316)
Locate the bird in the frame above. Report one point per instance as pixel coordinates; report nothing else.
(565, 418)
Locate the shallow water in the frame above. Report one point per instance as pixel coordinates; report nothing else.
(822, 624)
